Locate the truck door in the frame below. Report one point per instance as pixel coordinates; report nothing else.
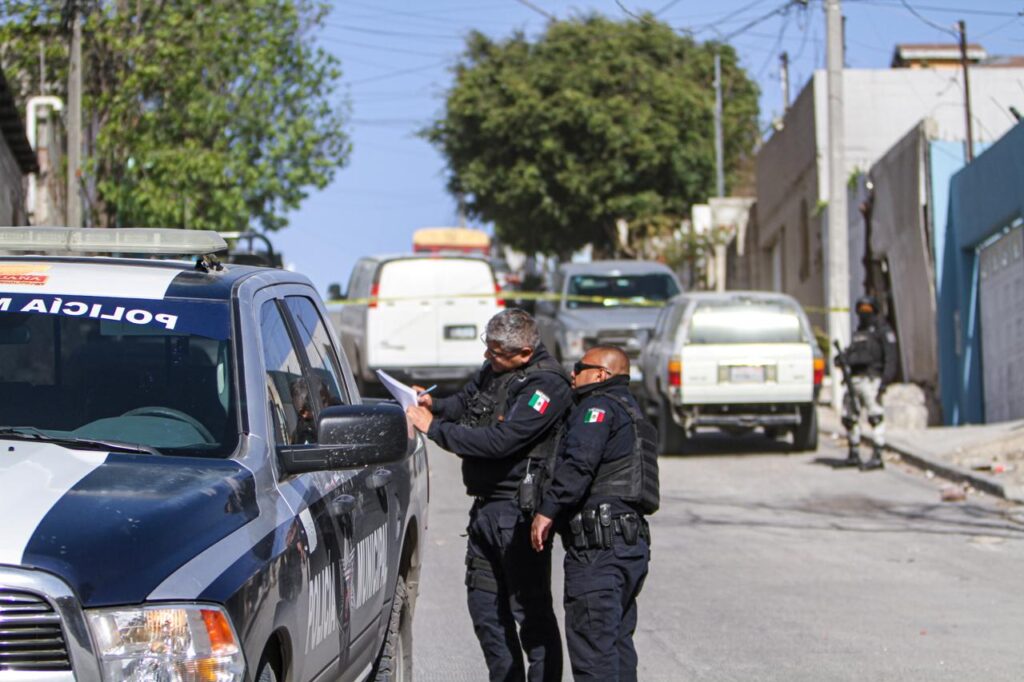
(401, 328)
(465, 289)
(324, 513)
(370, 521)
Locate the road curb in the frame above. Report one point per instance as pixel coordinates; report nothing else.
(988, 484)
(952, 472)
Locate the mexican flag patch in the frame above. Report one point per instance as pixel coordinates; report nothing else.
(593, 416)
(539, 401)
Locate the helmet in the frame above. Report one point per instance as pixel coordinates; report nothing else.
(867, 305)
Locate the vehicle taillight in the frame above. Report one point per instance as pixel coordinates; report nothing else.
(819, 370)
(497, 295)
(374, 291)
(675, 373)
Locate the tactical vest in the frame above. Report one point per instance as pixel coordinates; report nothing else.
(487, 407)
(634, 478)
(865, 350)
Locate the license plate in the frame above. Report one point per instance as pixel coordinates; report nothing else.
(460, 332)
(746, 374)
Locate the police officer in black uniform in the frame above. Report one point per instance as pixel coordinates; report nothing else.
(504, 424)
(871, 358)
(605, 480)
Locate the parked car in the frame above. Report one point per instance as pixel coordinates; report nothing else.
(604, 303)
(417, 317)
(734, 361)
(192, 486)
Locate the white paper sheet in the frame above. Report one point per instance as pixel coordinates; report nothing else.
(405, 395)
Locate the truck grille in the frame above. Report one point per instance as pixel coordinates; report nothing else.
(631, 341)
(31, 637)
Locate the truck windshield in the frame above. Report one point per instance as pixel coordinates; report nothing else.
(152, 373)
(619, 290)
(745, 322)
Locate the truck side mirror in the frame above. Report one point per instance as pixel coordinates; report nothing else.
(334, 292)
(351, 437)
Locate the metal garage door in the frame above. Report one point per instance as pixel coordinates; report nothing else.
(1002, 326)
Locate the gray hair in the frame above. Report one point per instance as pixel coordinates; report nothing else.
(513, 329)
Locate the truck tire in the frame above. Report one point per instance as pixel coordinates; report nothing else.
(395, 661)
(671, 437)
(269, 668)
(805, 435)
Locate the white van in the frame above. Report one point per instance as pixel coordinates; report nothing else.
(417, 317)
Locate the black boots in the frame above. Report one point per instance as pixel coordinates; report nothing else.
(875, 462)
(852, 458)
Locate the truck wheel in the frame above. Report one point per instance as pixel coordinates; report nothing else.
(268, 669)
(395, 661)
(671, 437)
(805, 436)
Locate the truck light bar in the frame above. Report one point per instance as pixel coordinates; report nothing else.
(135, 240)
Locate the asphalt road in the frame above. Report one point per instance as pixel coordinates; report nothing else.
(769, 566)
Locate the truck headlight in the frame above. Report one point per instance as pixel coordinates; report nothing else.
(167, 643)
(574, 343)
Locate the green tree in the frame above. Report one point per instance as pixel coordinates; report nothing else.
(212, 115)
(597, 121)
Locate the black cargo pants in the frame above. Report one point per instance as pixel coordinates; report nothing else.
(509, 584)
(601, 587)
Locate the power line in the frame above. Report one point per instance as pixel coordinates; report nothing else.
(936, 8)
(928, 21)
(396, 74)
(538, 10)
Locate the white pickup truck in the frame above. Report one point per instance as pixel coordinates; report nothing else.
(733, 361)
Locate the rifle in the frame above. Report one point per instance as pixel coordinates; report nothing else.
(847, 377)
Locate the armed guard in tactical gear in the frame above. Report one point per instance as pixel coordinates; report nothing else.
(505, 425)
(869, 365)
(605, 482)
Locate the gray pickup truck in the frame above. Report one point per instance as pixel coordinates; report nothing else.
(613, 302)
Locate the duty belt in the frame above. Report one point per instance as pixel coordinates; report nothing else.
(596, 528)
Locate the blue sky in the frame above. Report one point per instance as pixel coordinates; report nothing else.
(396, 56)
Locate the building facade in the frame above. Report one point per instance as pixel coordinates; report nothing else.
(16, 160)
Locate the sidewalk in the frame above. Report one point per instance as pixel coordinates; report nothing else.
(989, 457)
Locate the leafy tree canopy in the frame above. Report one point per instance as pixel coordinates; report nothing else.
(597, 121)
(214, 115)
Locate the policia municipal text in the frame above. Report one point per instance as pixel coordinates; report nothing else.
(605, 480)
(504, 424)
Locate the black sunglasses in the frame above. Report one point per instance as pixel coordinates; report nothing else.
(580, 366)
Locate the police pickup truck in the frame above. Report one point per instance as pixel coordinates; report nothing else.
(191, 487)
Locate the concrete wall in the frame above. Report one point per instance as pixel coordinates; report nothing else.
(899, 236)
(788, 215)
(12, 188)
(985, 197)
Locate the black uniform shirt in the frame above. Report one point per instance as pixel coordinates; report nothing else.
(494, 457)
(599, 430)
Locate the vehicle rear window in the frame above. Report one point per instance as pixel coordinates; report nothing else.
(156, 373)
(745, 322)
(417, 277)
(620, 290)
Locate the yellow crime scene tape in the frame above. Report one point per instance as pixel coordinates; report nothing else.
(539, 296)
(508, 296)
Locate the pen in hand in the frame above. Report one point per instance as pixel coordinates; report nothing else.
(426, 390)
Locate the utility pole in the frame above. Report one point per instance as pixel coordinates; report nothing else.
(967, 90)
(719, 249)
(837, 292)
(719, 144)
(74, 121)
(784, 79)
